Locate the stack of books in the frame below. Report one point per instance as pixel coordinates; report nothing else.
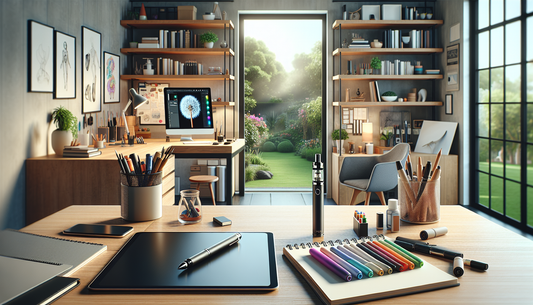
(149, 42)
(358, 43)
(80, 152)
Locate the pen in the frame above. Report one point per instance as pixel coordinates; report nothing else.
(437, 160)
(424, 180)
(228, 242)
(349, 267)
(406, 186)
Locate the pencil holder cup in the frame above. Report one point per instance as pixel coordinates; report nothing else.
(141, 196)
(425, 209)
(190, 207)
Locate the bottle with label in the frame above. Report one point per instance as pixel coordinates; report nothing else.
(393, 216)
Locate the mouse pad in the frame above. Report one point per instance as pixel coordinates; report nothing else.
(150, 260)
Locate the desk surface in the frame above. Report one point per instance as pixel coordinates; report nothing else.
(508, 280)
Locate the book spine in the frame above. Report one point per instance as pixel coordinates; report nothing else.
(161, 38)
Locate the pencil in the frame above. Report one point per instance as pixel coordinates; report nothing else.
(437, 160)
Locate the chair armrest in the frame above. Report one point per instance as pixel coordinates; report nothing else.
(384, 177)
(357, 167)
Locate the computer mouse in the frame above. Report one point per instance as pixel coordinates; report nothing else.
(215, 143)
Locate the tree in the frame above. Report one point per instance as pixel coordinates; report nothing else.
(307, 75)
(249, 101)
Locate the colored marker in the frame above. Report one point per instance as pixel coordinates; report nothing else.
(351, 268)
(386, 268)
(377, 270)
(330, 264)
(349, 258)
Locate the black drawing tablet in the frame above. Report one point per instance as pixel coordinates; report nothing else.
(150, 260)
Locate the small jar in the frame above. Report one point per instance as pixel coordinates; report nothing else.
(190, 207)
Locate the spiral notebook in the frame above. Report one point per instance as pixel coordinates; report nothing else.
(48, 249)
(333, 290)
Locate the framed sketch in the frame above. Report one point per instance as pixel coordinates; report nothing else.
(448, 106)
(41, 57)
(452, 68)
(111, 78)
(92, 74)
(65, 65)
(434, 136)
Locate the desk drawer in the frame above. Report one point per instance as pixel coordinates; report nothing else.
(169, 198)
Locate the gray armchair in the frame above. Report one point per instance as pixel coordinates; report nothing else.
(373, 173)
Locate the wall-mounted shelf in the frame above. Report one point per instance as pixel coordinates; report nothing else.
(176, 77)
(385, 51)
(385, 104)
(387, 77)
(178, 51)
(384, 24)
(222, 104)
(177, 24)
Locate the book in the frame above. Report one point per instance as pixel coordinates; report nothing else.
(81, 155)
(148, 45)
(21, 275)
(47, 292)
(48, 249)
(333, 290)
(80, 150)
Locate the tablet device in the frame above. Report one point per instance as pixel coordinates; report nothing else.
(149, 261)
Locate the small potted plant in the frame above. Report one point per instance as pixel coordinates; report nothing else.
(375, 64)
(339, 135)
(208, 39)
(389, 96)
(385, 138)
(66, 129)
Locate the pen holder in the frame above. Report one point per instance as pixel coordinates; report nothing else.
(190, 207)
(426, 209)
(112, 134)
(141, 196)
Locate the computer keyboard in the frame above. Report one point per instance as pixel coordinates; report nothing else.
(197, 142)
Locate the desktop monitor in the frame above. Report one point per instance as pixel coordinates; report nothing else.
(188, 112)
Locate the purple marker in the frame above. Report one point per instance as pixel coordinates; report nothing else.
(330, 264)
(354, 271)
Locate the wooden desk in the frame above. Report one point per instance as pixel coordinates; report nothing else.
(508, 280)
(53, 182)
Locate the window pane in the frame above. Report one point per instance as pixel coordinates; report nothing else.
(530, 206)
(484, 189)
(529, 126)
(529, 6)
(512, 84)
(497, 155)
(483, 14)
(529, 42)
(512, 200)
(496, 11)
(529, 163)
(496, 122)
(496, 194)
(483, 86)
(483, 120)
(512, 43)
(512, 9)
(512, 122)
(530, 82)
(483, 50)
(496, 47)
(496, 87)
(483, 156)
(512, 161)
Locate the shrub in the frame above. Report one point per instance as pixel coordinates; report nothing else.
(255, 131)
(301, 152)
(250, 171)
(311, 152)
(255, 159)
(268, 146)
(285, 146)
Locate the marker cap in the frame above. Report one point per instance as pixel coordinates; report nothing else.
(393, 204)
(458, 266)
(476, 264)
(430, 233)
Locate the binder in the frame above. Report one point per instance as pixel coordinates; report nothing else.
(334, 290)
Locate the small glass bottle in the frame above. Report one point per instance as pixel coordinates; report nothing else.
(190, 207)
(392, 210)
(216, 11)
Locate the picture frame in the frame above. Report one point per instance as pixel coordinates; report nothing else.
(368, 10)
(92, 74)
(64, 66)
(448, 106)
(41, 63)
(452, 67)
(111, 79)
(417, 124)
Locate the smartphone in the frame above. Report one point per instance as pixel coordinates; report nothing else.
(98, 230)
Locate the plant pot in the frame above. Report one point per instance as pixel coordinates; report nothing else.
(334, 149)
(60, 139)
(340, 144)
(208, 45)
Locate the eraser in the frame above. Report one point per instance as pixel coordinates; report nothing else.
(221, 221)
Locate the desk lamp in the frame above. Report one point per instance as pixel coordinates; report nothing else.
(138, 101)
(367, 138)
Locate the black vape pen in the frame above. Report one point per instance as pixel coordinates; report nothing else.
(318, 197)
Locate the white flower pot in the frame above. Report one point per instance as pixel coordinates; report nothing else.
(208, 45)
(60, 139)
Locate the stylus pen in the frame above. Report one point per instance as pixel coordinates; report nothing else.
(228, 242)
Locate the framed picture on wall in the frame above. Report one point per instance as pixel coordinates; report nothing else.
(41, 57)
(449, 104)
(65, 65)
(111, 78)
(92, 74)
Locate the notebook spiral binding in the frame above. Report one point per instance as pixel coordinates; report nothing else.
(332, 243)
(63, 239)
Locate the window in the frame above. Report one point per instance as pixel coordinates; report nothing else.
(503, 110)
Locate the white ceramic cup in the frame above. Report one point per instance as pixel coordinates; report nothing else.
(100, 144)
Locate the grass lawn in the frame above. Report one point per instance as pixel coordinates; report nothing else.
(512, 194)
(289, 171)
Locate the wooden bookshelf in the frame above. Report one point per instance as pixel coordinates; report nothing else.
(176, 77)
(222, 104)
(386, 104)
(178, 51)
(385, 24)
(385, 51)
(177, 24)
(387, 77)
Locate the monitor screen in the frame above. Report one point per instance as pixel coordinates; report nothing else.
(188, 111)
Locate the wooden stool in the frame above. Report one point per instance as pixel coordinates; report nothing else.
(205, 179)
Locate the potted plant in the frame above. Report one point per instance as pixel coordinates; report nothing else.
(208, 39)
(339, 135)
(389, 96)
(375, 64)
(66, 129)
(385, 138)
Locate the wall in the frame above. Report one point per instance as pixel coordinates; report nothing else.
(25, 116)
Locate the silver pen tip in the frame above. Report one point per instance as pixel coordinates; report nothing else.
(183, 265)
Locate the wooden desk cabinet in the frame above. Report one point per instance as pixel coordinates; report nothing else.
(449, 182)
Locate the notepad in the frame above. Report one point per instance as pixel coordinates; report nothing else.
(46, 292)
(333, 290)
(48, 249)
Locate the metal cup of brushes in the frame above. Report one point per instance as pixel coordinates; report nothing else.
(141, 196)
(190, 207)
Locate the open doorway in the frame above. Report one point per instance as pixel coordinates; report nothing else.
(282, 91)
